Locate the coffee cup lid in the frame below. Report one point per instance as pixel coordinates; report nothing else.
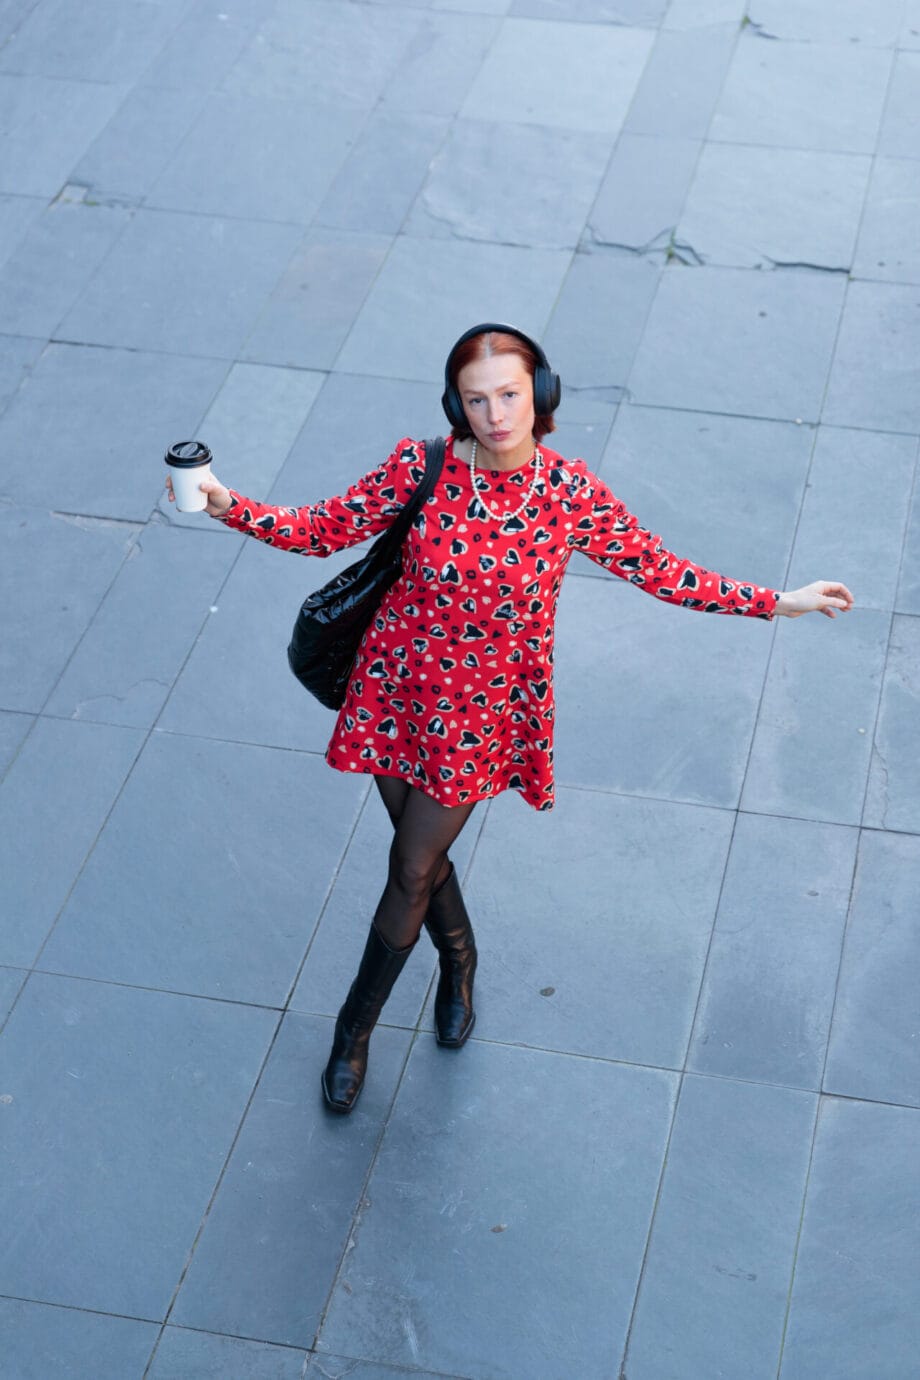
(188, 453)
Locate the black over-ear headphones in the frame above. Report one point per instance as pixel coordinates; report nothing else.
(547, 386)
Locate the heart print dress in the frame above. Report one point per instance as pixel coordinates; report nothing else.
(452, 687)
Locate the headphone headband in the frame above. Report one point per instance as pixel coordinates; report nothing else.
(547, 387)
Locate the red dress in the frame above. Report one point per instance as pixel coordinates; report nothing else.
(452, 688)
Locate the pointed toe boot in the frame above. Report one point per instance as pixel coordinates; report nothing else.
(449, 926)
(343, 1076)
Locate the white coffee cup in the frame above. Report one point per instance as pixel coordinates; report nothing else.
(189, 462)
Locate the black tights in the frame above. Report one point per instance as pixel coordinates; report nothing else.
(425, 831)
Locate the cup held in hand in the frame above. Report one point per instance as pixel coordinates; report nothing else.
(189, 463)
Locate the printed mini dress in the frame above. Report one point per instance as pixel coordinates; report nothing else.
(452, 687)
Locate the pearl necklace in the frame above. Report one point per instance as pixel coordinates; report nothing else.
(484, 502)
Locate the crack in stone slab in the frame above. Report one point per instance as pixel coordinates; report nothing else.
(658, 244)
(603, 393)
(118, 699)
(90, 523)
(758, 30)
(465, 237)
(664, 245)
(803, 263)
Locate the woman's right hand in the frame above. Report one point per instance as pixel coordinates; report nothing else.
(219, 498)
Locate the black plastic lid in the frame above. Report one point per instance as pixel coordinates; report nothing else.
(187, 454)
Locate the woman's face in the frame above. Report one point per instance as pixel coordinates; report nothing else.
(497, 394)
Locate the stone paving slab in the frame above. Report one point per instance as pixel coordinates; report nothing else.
(854, 1276)
(715, 342)
(652, 733)
(322, 48)
(246, 156)
(842, 481)
(597, 322)
(900, 135)
(886, 248)
(40, 1340)
(768, 993)
(57, 40)
(681, 1139)
(42, 279)
(757, 207)
(613, 971)
(788, 95)
(466, 196)
(144, 629)
(908, 596)
(874, 375)
(384, 172)
(348, 1368)
(182, 1353)
(468, 281)
(716, 1276)
(310, 311)
(81, 559)
(18, 357)
(205, 46)
(16, 215)
(453, 1171)
(247, 944)
(283, 1214)
(140, 140)
(630, 213)
(872, 1051)
(811, 21)
(811, 749)
(253, 699)
(75, 1054)
(207, 273)
(437, 68)
(13, 730)
(661, 463)
(681, 82)
(87, 464)
(595, 68)
(11, 982)
(43, 843)
(49, 125)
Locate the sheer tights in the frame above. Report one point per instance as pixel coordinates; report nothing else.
(425, 830)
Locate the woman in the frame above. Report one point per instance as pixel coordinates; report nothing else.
(450, 700)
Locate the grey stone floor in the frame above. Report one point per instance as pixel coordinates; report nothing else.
(683, 1144)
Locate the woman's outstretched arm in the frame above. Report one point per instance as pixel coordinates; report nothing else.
(612, 537)
(317, 529)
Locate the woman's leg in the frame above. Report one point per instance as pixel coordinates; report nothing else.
(448, 925)
(424, 832)
(394, 792)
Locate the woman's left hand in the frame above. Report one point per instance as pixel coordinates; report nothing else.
(822, 596)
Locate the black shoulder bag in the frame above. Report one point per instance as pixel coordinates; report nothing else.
(332, 620)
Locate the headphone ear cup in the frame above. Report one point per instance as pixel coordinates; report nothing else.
(453, 407)
(547, 391)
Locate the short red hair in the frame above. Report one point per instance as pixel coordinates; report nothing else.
(483, 347)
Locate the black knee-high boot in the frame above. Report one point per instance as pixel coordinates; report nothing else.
(380, 966)
(452, 934)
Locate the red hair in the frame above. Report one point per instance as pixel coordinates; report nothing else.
(483, 347)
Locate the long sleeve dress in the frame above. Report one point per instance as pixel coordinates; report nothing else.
(452, 687)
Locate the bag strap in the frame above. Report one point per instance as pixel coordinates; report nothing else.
(434, 459)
